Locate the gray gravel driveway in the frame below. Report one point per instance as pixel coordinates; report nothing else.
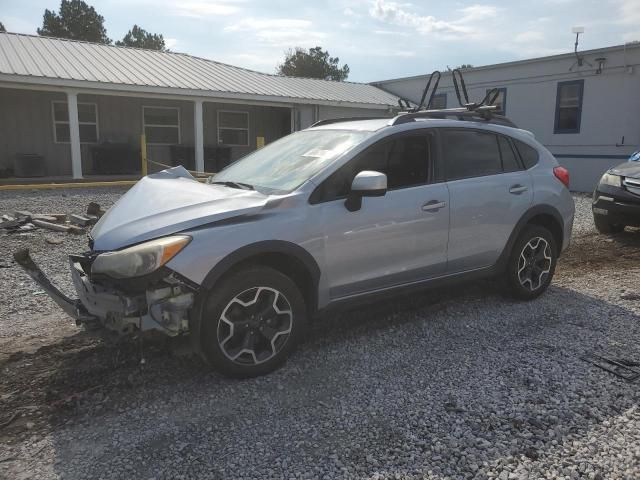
(452, 384)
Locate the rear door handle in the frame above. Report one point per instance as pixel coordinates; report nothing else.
(517, 189)
(433, 206)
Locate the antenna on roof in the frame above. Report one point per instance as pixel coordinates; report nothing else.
(579, 58)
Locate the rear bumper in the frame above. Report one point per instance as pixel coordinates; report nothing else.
(164, 306)
(619, 206)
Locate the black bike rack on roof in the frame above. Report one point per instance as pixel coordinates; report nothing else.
(481, 114)
(483, 111)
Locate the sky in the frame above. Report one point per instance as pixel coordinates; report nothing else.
(378, 39)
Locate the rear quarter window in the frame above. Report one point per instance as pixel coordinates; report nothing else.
(529, 155)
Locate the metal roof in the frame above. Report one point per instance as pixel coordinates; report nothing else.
(493, 66)
(44, 60)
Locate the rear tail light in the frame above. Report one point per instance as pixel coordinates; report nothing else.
(562, 174)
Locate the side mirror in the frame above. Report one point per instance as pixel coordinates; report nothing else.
(365, 184)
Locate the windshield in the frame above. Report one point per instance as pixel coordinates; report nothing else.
(286, 164)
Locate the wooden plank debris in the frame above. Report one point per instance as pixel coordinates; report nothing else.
(51, 226)
(44, 218)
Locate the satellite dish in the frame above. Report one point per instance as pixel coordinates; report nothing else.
(577, 30)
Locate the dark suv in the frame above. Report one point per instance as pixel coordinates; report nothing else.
(616, 200)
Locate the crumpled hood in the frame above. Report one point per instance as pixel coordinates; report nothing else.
(168, 202)
(627, 169)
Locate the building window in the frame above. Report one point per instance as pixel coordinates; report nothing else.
(501, 101)
(233, 128)
(87, 119)
(161, 125)
(569, 106)
(439, 102)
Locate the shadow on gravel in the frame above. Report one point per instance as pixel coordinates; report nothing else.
(456, 384)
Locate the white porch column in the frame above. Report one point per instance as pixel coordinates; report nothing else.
(293, 118)
(199, 135)
(74, 134)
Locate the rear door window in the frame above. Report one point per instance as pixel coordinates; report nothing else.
(510, 162)
(470, 153)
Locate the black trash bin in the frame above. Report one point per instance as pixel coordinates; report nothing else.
(115, 159)
(29, 165)
(216, 158)
(183, 155)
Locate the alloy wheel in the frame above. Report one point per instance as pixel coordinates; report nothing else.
(255, 325)
(534, 263)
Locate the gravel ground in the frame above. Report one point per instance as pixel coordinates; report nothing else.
(22, 305)
(455, 383)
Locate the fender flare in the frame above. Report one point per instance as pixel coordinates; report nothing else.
(534, 211)
(266, 246)
(238, 256)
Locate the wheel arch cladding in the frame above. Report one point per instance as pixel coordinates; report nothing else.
(545, 216)
(551, 223)
(286, 257)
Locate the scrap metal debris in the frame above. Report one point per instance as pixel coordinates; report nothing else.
(24, 221)
(620, 367)
(12, 224)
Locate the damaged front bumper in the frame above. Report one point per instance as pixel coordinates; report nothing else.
(163, 305)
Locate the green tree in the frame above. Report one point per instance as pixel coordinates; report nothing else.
(77, 21)
(315, 63)
(140, 38)
(2, 29)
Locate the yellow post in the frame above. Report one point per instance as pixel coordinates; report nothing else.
(143, 154)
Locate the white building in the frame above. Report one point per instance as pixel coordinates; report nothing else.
(587, 115)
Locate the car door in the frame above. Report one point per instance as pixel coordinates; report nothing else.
(489, 192)
(398, 238)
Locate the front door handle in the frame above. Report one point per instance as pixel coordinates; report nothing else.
(517, 189)
(433, 206)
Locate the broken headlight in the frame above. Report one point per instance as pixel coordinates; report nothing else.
(140, 259)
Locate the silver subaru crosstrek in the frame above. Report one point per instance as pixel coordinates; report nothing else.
(341, 212)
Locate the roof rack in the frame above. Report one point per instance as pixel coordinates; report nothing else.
(329, 121)
(480, 114)
(482, 111)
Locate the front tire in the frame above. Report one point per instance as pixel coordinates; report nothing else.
(532, 263)
(251, 322)
(604, 226)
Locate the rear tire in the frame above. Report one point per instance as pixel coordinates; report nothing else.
(251, 322)
(532, 263)
(604, 226)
